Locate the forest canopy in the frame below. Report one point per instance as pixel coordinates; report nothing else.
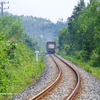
(81, 38)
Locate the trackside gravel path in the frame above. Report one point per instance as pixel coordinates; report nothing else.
(90, 85)
(46, 78)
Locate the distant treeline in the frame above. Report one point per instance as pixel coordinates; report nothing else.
(38, 30)
(41, 30)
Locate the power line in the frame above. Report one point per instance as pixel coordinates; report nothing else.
(2, 8)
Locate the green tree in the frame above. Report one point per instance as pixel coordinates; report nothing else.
(83, 32)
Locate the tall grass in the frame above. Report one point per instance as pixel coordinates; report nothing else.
(84, 65)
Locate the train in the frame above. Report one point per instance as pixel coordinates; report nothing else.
(50, 47)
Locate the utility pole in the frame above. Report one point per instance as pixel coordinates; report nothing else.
(2, 3)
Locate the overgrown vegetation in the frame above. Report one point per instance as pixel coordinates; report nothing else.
(81, 39)
(18, 67)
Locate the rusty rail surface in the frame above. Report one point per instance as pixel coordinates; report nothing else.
(73, 93)
(46, 90)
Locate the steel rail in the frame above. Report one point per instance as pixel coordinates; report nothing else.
(73, 93)
(46, 90)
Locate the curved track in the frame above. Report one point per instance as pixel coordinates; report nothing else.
(73, 93)
(46, 90)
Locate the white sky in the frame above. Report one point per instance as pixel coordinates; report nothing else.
(50, 9)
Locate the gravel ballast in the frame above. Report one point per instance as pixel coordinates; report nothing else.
(46, 78)
(66, 84)
(90, 85)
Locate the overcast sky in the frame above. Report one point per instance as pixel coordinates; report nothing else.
(50, 9)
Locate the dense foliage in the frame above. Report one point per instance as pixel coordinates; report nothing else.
(81, 39)
(18, 67)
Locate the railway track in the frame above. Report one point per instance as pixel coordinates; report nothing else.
(71, 95)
